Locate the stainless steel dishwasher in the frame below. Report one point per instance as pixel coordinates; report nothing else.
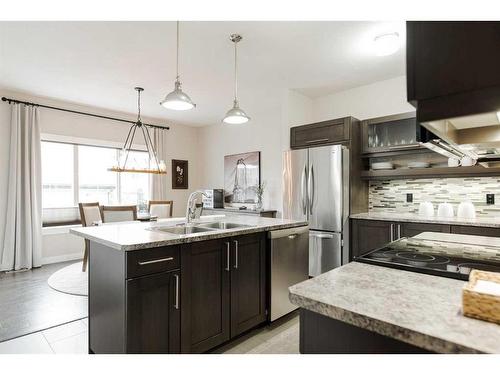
(289, 266)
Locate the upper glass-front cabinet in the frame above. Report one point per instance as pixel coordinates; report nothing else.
(390, 133)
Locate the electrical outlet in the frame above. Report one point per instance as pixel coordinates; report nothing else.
(490, 198)
(409, 198)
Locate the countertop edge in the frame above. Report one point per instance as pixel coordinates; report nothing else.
(196, 238)
(419, 339)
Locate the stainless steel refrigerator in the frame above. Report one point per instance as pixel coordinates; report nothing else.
(316, 189)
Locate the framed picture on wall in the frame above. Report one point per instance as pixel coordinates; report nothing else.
(241, 179)
(179, 174)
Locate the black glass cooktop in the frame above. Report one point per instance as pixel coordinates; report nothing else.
(421, 256)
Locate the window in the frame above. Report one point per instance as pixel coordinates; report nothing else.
(78, 173)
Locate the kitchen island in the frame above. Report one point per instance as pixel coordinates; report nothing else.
(164, 287)
(363, 308)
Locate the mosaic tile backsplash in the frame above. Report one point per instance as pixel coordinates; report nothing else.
(390, 196)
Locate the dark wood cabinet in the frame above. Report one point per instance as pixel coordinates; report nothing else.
(153, 313)
(139, 304)
(452, 68)
(223, 290)
(412, 229)
(477, 231)
(248, 278)
(205, 298)
(321, 133)
(367, 235)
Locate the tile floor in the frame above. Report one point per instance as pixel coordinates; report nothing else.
(281, 337)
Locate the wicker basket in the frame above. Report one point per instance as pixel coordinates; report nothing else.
(481, 305)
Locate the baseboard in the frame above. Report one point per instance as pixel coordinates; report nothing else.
(62, 258)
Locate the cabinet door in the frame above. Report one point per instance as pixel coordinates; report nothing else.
(412, 229)
(248, 300)
(477, 231)
(367, 235)
(321, 133)
(153, 314)
(205, 295)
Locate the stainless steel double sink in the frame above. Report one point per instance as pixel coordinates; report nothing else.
(184, 229)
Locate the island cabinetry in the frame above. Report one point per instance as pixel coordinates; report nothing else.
(223, 290)
(153, 313)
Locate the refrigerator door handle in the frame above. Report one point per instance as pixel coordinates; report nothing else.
(311, 189)
(303, 190)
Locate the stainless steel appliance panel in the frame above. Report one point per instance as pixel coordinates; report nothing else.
(325, 189)
(325, 252)
(295, 184)
(289, 266)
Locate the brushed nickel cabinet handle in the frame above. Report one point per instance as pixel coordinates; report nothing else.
(176, 292)
(227, 256)
(236, 254)
(399, 231)
(318, 140)
(155, 261)
(392, 232)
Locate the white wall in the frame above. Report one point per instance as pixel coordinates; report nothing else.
(377, 99)
(262, 133)
(182, 143)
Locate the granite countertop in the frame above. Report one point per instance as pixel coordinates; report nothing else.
(136, 235)
(415, 218)
(418, 309)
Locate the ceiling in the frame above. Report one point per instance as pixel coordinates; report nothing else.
(99, 63)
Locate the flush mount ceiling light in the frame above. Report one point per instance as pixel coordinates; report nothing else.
(177, 99)
(160, 166)
(386, 44)
(235, 115)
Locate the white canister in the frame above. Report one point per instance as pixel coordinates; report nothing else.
(467, 161)
(445, 210)
(426, 209)
(453, 162)
(466, 210)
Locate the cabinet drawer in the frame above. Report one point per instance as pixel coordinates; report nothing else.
(148, 261)
(477, 231)
(326, 132)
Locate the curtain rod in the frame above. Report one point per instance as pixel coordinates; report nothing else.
(10, 100)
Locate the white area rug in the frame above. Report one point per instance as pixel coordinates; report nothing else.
(70, 280)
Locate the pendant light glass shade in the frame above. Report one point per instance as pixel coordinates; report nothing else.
(235, 115)
(177, 99)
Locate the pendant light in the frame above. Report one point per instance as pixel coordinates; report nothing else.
(177, 99)
(160, 166)
(235, 115)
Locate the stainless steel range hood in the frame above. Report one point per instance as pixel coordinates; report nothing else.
(476, 135)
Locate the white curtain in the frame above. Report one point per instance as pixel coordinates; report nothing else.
(22, 247)
(159, 183)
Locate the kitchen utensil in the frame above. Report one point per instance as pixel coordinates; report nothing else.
(467, 161)
(426, 209)
(418, 164)
(453, 162)
(382, 165)
(466, 210)
(445, 210)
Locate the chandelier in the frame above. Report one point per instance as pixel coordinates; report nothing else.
(159, 167)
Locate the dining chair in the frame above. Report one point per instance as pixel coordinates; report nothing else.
(111, 214)
(161, 209)
(90, 213)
